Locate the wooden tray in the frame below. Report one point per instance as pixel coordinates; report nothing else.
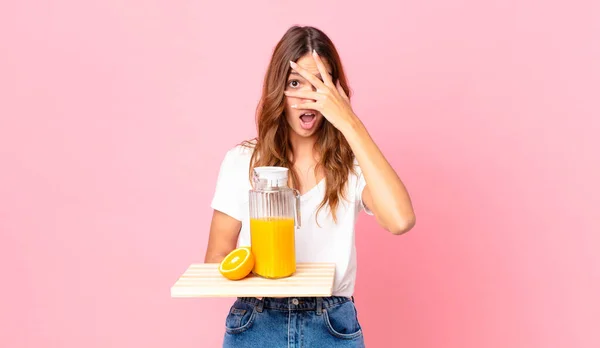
(204, 280)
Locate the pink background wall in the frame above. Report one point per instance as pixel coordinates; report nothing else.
(488, 110)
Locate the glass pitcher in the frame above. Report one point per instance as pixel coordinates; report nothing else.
(274, 216)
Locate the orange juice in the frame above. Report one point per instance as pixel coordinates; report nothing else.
(274, 246)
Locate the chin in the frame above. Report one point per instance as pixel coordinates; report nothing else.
(307, 133)
(304, 133)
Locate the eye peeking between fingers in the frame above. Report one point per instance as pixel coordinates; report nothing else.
(293, 84)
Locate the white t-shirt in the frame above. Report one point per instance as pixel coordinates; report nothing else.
(326, 242)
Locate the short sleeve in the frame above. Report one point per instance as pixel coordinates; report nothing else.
(226, 197)
(360, 186)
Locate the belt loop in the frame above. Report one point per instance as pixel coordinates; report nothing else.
(260, 304)
(352, 298)
(319, 305)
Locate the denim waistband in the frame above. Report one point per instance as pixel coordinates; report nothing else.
(296, 303)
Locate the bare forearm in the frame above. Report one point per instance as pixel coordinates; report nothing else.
(222, 238)
(214, 258)
(389, 199)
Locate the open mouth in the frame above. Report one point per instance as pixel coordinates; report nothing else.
(307, 117)
(307, 120)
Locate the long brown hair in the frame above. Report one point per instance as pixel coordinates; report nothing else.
(272, 146)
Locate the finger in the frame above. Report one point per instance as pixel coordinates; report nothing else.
(307, 106)
(341, 91)
(319, 85)
(322, 69)
(305, 95)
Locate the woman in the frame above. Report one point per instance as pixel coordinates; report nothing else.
(305, 123)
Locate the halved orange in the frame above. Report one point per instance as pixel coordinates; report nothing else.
(237, 264)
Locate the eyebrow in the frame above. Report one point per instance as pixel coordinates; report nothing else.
(293, 72)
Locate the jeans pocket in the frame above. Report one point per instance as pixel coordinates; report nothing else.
(342, 321)
(240, 317)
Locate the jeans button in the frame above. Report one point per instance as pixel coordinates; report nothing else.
(295, 301)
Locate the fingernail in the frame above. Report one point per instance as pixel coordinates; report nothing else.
(292, 64)
(294, 106)
(314, 52)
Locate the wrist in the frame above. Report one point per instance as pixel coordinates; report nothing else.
(353, 128)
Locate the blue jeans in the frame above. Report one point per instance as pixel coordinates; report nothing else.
(293, 322)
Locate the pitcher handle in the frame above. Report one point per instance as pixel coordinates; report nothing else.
(297, 206)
